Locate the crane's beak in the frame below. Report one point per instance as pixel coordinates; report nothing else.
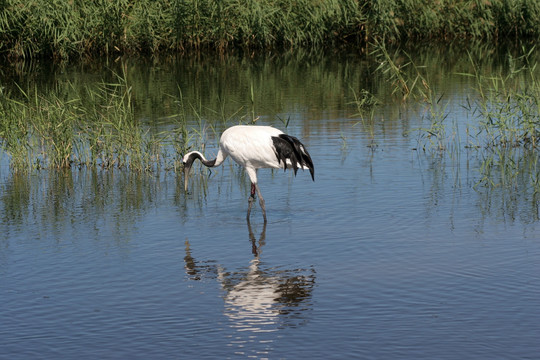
(187, 168)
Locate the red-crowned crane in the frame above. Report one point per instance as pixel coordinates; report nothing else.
(255, 147)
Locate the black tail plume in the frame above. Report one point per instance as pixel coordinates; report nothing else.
(289, 147)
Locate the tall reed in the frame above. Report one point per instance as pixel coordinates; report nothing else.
(95, 126)
(64, 29)
(14, 131)
(94, 129)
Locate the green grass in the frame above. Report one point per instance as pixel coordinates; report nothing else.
(78, 123)
(505, 108)
(95, 129)
(69, 29)
(95, 126)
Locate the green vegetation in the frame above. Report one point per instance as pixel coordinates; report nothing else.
(143, 118)
(96, 128)
(506, 110)
(69, 29)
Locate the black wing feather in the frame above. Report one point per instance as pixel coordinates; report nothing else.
(289, 147)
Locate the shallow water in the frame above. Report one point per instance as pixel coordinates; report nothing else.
(391, 253)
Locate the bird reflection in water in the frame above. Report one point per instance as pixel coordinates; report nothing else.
(259, 298)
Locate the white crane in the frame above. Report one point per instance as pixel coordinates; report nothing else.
(255, 147)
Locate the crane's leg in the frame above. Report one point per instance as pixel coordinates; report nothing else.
(255, 188)
(261, 202)
(250, 200)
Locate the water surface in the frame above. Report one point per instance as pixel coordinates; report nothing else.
(392, 252)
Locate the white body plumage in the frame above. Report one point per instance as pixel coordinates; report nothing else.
(256, 147)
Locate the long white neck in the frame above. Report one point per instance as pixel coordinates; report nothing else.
(190, 157)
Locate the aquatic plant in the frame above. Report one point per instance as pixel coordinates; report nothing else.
(366, 103)
(64, 29)
(505, 111)
(61, 130)
(14, 131)
(508, 109)
(510, 106)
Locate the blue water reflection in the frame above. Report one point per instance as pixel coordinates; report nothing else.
(389, 253)
(393, 251)
(259, 298)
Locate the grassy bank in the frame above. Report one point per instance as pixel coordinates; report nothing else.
(66, 29)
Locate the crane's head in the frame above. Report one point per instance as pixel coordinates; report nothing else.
(187, 162)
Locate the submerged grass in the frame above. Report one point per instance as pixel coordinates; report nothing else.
(63, 29)
(96, 129)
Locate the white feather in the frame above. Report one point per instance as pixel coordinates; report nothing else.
(253, 148)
